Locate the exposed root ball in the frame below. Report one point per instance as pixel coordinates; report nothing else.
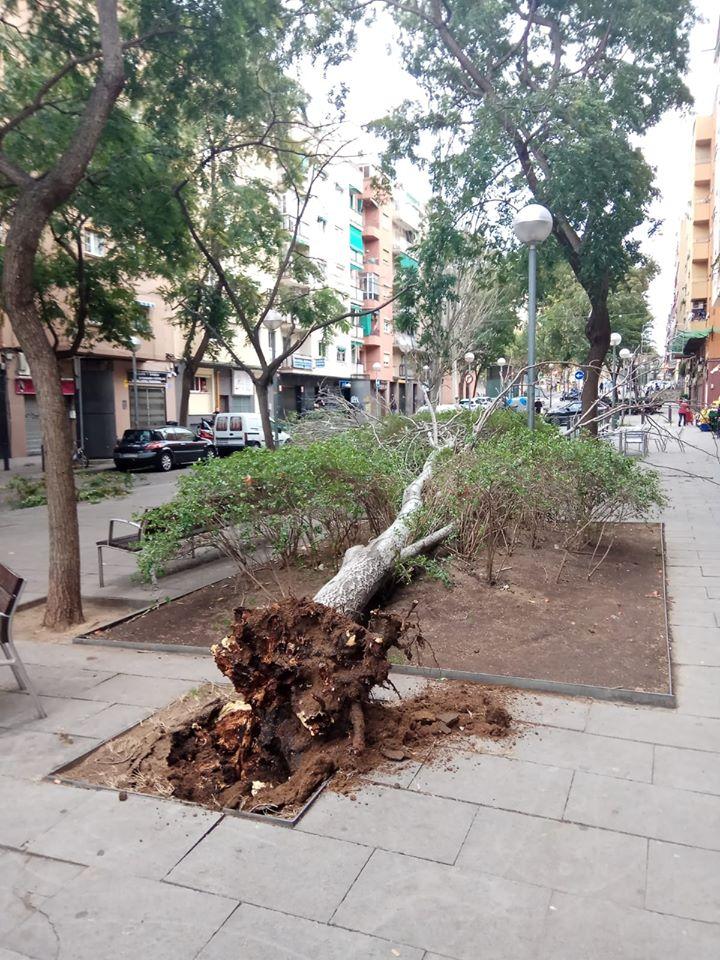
(303, 673)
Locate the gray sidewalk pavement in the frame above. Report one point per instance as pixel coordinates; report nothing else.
(595, 836)
(24, 546)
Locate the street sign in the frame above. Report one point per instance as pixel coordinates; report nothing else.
(579, 374)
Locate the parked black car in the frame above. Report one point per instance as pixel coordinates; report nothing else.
(565, 415)
(160, 447)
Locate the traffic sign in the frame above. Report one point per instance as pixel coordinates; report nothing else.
(579, 374)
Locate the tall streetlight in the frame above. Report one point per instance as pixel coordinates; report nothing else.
(134, 345)
(272, 322)
(615, 341)
(468, 358)
(501, 364)
(532, 225)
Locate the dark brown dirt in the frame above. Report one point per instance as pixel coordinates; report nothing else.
(202, 617)
(608, 631)
(146, 759)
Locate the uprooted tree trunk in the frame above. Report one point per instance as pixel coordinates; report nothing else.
(304, 669)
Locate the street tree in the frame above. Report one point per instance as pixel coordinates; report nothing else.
(545, 100)
(65, 66)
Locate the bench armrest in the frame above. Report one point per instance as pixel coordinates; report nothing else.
(129, 523)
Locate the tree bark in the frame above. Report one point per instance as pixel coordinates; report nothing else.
(37, 198)
(597, 330)
(188, 376)
(262, 392)
(365, 569)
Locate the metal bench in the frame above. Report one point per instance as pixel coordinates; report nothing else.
(10, 589)
(634, 440)
(132, 542)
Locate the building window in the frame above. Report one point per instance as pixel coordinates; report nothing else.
(322, 349)
(356, 258)
(93, 243)
(341, 354)
(387, 326)
(371, 286)
(386, 359)
(200, 385)
(355, 353)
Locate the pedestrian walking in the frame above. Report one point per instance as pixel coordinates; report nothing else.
(685, 414)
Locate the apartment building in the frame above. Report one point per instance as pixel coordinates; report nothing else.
(353, 232)
(693, 347)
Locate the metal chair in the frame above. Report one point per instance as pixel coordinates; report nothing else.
(10, 589)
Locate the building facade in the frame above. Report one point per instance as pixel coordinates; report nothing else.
(693, 345)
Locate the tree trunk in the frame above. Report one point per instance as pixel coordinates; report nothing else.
(64, 607)
(188, 376)
(262, 392)
(365, 569)
(597, 330)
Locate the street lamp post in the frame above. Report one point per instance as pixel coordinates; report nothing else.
(532, 225)
(376, 368)
(469, 358)
(272, 323)
(501, 362)
(625, 354)
(615, 341)
(134, 344)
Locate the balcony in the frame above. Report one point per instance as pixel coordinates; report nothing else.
(370, 231)
(703, 172)
(303, 233)
(701, 212)
(701, 250)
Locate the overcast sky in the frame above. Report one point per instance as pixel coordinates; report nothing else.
(377, 84)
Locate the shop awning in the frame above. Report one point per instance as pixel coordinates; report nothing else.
(685, 342)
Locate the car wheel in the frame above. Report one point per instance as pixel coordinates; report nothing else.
(165, 462)
(210, 454)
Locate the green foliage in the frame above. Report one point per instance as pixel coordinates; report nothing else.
(435, 569)
(26, 492)
(311, 499)
(513, 484)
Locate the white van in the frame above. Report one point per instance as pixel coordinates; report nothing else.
(235, 431)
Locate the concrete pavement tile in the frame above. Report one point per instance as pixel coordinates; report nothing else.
(444, 909)
(102, 915)
(396, 774)
(684, 881)
(118, 660)
(690, 618)
(497, 782)
(646, 810)
(574, 750)
(273, 867)
(406, 686)
(694, 770)
(26, 883)
(654, 725)
(399, 820)
(698, 646)
(580, 928)
(32, 754)
(60, 681)
(11, 955)
(698, 690)
(257, 934)
(63, 714)
(552, 711)
(112, 720)
(141, 691)
(140, 836)
(562, 856)
(29, 809)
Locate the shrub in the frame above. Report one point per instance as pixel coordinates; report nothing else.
(297, 499)
(91, 488)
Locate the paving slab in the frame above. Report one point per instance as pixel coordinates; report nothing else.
(552, 711)
(58, 681)
(694, 770)
(393, 820)
(32, 754)
(112, 720)
(29, 809)
(431, 906)
(582, 928)
(141, 691)
(26, 884)
(396, 774)
(575, 750)
(653, 725)
(562, 856)
(684, 881)
(139, 836)
(497, 782)
(118, 660)
(699, 646)
(64, 715)
(699, 690)
(271, 866)
(253, 933)
(646, 810)
(103, 915)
